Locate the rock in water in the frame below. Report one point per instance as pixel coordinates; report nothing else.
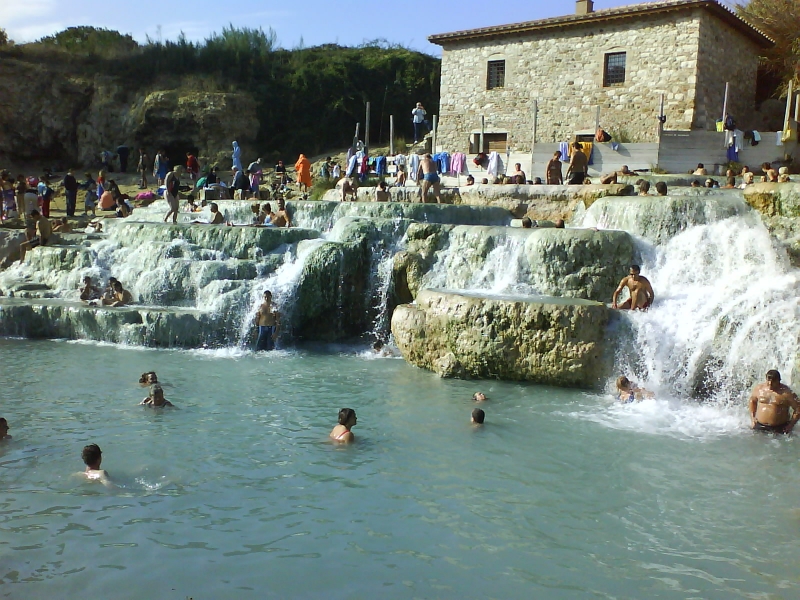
(548, 340)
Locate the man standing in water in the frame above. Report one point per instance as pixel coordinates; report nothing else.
(267, 321)
(641, 292)
(770, 403)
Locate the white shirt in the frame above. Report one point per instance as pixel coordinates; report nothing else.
(419, 115)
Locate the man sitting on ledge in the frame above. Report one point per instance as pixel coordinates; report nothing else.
(639, 288)
(43, 230)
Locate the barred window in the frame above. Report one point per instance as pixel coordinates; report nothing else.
(614, 69)
(496, 74)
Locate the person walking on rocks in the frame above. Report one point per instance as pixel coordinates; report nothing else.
(71, 190)
(172, 183)
(429, 177)
(418, 118)
(236, 156)
(141, 167)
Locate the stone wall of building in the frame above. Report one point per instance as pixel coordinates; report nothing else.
(563, 71)
(726, 56)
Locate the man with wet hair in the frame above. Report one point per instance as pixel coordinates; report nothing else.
(644, 188)
(267, 322)
(661, 188)
(92, 457)
(429, 177)
(4, 430)
(770, 403)
(478, 416)
(156, 397)
(639, 288)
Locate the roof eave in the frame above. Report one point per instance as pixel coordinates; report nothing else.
(725, 15)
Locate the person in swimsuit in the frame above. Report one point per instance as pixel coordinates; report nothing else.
(4, 430)
(92, 457)
(770, 403)
(579, 162)
(478, 416)
(267, 323)
(639, 288)
(43, 228)
(120, 296)
(156, 398)
(628, 392)
(429, 177)
(479, 397)
(347, 420)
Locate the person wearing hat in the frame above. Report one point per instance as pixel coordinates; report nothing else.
(156, 398)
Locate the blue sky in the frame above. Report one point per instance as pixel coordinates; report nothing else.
(313, 21)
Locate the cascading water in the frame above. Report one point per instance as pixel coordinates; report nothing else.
(726, 311)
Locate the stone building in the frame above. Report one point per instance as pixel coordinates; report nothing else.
(608, 67)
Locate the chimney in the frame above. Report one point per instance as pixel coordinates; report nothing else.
(584, 7)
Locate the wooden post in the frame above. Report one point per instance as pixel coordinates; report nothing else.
(533, 132)
(788, 106)
(483, 129)
(366, 132)
(391, 135)
(435, 132)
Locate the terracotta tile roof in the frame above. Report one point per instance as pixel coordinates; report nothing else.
(609, 14)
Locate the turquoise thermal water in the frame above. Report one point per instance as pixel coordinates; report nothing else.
(238, 494)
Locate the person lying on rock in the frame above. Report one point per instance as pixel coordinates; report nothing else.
(120, 296)
(639, 288)
(628, 391)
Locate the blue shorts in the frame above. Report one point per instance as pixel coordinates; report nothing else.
(431, 177)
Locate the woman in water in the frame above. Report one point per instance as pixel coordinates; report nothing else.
(627, 391)
(148, 378)
(347, 419)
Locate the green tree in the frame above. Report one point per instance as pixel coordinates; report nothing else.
(91, 40)
(780, 20)
(3, 37)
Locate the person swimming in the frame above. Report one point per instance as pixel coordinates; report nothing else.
(479, 397)
(148, 378)
(478, 416)
(4, 429)
(92, 457)
(628, 392)
(156, 398)
(347, 419)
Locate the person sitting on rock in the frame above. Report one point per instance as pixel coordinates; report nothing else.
(43, 229)
(627, 391)
(700, 170)
(639, 288)
(381, 195)
(120, 296)
(89, 291)
(347, 188)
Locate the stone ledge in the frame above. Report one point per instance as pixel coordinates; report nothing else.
(555, 341)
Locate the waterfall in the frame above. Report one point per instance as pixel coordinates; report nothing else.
(726, 311)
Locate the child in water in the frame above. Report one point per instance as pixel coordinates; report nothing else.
(627, 391)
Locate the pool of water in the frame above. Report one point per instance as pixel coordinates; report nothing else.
(238, 494)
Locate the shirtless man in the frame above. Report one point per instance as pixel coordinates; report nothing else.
(4, 430)
(62, 226)
(578, 164)
(770, 403)
(92, 457)
(381, 195)
(641, 292)
(89, 291)
(518, 176)
(282, 218)
(347, 189)
(427, 174)
(120, 296)
(43, 229)
(156, 398)
(267, 322)
(216, 216)
(628, 391)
